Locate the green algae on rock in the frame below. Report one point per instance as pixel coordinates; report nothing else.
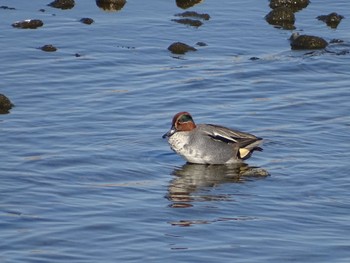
(180, 48)
(87, 21)
(307, 42)
(295, 5)
(332, 20)
(5, 104)
(111, 5)
(184, 4)
(28, 24)
(281, 16)
(62, 4)
(48, 48)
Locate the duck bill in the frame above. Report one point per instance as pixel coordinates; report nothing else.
(169, 133)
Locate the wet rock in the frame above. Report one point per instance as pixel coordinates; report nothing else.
(332, 20)
(180, 48)
(281, 16)
(7, 8)
(48, 48)
(28, 24)
(336, 41)
(307, 42)
(111, 5)
(194, 15)
(62, 4)
(184, 4)
(201, 44)
(5, 104)
(295, 5)
(188, 22)
(87, 21)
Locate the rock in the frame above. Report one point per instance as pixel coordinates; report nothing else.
(184, 4)
(295, 5)
(48, 48)
(5, 104)
(281, 16)
(62, 4)
(188, 21)
(87, 21)
(201, 44)
(111, 5)
(332, 20)
(180, 48)
(336, 41)
(7, 8)
(307, 42)
(28, 24)
(194, 15)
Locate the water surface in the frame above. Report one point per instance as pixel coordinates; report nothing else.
(86, 176)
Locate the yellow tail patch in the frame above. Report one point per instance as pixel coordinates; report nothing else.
(243, 152)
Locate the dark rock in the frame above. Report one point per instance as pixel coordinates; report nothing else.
(28, 24)
(194, 15)
(7, 8)
(180, 48)
(201, 44)
(184, 4)
(307, 42)
(62, 4)
(332, 20)
(281, 16)
(5, 104)
(48, 48)
(336, 41)
(294, 5)
(111, 5)
(87, 20)
(188, 21)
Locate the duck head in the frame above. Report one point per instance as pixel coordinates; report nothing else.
(182, 121)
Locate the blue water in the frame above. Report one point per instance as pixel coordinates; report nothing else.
(86, 177)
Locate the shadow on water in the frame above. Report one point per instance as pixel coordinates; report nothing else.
(194, 182)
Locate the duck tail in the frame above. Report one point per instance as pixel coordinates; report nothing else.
(246, 151)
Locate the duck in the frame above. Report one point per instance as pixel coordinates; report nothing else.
(209, 143)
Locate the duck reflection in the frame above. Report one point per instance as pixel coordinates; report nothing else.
(194, 178)
(111, 5)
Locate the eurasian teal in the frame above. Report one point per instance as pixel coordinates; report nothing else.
(208, 143)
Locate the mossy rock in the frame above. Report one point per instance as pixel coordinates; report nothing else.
(48, 48)
(281, 16)
(28, 24)
(111, 5)
(307, 42)
(87, 20)
(62, 4)
(5, 104)
(184, 4)
(332, 20)
(180, 48)
(294, 5)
